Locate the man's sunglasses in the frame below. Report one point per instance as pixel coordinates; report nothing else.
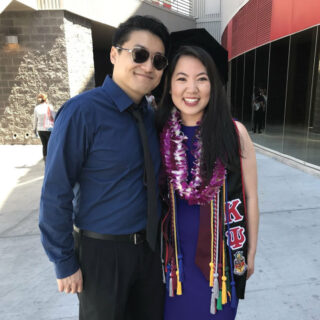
(141, 55)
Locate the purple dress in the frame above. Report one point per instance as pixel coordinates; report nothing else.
(194, 303)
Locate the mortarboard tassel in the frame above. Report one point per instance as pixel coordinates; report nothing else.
(224, 278)
(172, 281)
(224, 299)
(216, 286)
(179, 253)
(214, 256)
(179, 286)
(171, 293)
(213, 308)
(219, 301)
(211, 274)
(216, 274)
(211, 264)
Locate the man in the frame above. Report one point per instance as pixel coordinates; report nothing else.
(95, 179)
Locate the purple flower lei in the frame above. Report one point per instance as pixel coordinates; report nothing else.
(174, 156)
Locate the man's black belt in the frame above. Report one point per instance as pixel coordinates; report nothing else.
(135, 238)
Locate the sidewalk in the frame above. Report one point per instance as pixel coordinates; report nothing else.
(285, 285)
(28, 289)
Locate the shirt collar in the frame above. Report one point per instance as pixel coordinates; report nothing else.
(119, 97)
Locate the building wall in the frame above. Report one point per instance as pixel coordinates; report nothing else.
(263, 21)
(176, 15)
(55, 53)
(172, 20)
(113, 13)
(208, 16)
(286, 66)
(228, 10)
(214, 15)
(79, 59)
(42, 62)
(315, 110)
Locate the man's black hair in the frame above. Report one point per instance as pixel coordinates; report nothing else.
(136, 23)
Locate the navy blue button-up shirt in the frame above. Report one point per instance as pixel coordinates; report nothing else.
(94, 172)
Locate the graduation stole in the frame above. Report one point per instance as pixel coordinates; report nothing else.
(222, 239)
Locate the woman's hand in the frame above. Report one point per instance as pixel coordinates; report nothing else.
(250, 264)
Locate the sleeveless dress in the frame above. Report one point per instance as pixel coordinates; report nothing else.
(194, 303)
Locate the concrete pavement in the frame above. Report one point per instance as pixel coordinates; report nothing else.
(28, 289)
(285, 285)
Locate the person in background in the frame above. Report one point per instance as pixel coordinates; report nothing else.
(264, 109)
(43, 121)
(101, 181)
(258, 109)
(211, 228)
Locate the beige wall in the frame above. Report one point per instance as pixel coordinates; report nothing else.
(54, 56)
(78, 37)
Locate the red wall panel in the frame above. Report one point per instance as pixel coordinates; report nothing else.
(262, 21)
(305, 14)
(264, 14)
(290, 16)
(281, 19)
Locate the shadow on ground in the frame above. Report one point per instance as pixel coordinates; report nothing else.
(28, 286)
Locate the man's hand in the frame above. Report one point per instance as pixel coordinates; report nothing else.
(71, 284)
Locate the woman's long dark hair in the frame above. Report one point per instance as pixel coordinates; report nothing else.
(217, 131)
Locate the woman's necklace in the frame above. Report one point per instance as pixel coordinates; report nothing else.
(174, 156)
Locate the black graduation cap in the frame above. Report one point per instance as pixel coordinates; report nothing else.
(203, 39)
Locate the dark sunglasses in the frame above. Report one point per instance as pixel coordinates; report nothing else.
(141, 55)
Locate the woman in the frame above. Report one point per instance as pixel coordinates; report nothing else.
(43, 121)
(210, 231)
